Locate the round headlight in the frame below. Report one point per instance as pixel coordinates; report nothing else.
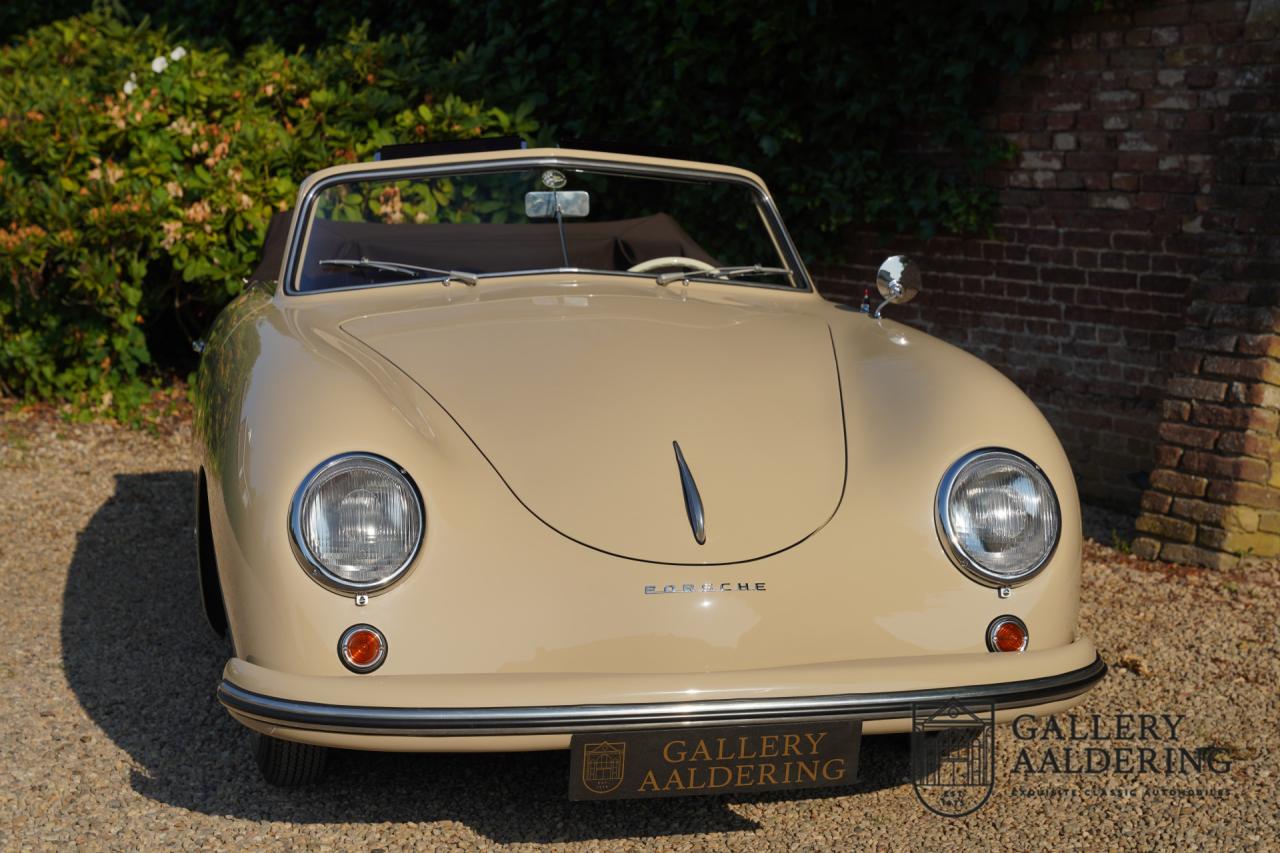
(998, 517)
(357, 522)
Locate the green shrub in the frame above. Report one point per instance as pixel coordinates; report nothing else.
(137, 176)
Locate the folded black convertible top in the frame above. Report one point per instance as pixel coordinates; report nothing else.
(268, 268)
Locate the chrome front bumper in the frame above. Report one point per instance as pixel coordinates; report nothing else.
(572, 719)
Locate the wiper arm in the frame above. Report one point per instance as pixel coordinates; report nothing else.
(408, 270)
(720, 272)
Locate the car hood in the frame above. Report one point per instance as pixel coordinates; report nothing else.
(576, 401)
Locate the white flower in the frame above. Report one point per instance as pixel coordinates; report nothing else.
(159, 64)
(178, 53)
(130, 87)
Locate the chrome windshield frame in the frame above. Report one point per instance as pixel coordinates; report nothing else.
(774, 224)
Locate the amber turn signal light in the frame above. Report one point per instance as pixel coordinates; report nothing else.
(362, 648)
(1006, 634)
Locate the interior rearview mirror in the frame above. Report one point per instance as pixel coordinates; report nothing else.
(573, 204)
(898, 281)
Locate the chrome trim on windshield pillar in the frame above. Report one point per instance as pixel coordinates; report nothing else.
(692, 500)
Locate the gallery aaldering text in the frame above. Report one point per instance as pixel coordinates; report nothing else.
(1058, 753)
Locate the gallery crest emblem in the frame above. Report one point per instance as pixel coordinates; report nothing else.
(953, 754)
(603, 764)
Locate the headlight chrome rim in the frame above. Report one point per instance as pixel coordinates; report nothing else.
(315, 569)
(950, 539)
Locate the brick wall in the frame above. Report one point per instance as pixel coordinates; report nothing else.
(1141, 214)
(1215, 491)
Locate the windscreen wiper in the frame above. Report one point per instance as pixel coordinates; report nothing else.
(720, 272)
(408, 270)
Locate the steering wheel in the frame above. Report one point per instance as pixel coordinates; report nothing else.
(671, 261)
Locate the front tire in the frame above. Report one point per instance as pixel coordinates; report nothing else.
(286, 763)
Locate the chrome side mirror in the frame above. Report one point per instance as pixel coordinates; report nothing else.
(898, 281)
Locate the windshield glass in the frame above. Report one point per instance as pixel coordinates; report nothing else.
(460, 226)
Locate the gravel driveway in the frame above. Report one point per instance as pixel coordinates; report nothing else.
(112, 737)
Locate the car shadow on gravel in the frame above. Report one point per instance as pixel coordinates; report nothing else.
(143, 664)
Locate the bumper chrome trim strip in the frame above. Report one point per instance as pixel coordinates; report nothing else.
(571, 719)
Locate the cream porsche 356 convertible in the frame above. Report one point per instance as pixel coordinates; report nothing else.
(547, 448)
